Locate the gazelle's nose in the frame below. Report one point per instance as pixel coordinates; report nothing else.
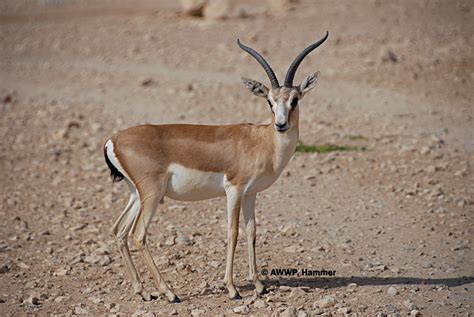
(280, 125)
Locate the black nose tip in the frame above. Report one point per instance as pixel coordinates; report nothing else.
(280, 125)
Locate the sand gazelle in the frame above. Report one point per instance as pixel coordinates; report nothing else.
(195, 162)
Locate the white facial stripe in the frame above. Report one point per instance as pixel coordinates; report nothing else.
(281, 114)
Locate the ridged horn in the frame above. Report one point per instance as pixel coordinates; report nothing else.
(290, 74)
(263, 62)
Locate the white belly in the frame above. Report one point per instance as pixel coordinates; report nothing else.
(189, 184)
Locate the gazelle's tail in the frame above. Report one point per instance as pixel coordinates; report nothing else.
(114, 172)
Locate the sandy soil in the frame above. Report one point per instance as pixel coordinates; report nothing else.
(395, 221)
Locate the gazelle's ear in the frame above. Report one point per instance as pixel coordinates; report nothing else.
(308, 83)
(257, 88)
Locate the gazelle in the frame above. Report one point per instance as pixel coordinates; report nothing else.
(196, 162)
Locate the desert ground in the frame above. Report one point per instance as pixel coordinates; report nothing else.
(393, 216)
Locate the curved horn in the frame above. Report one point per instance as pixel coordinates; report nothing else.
(290, 75)
(262, 62)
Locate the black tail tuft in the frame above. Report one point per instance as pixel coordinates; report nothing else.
(114, 172)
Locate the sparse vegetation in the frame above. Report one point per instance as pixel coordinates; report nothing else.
(356, 137)
(326, 148)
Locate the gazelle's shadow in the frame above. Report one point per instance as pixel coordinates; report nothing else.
(361, 281)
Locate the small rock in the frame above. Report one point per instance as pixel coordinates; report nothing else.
(61, 272)
(352, 285)
(425, 150)
(33, 300)
(217, 9)
(4, 268)
(410, 305)
(242, 310)
(7, 99)
(302, 313)
(59, 299)
(141, 312)
(294, 249)
(297, 292)
(170, 241)
(289, 229)
(259, 303)
(215, 264)
(146, 82)
(431, 169)
(193, 7)
(79, 227)
(440, 210)
(427, 264)
(415, 312)
(183, 240)
(198, 312)
(289, 312)
(325, 302)
(173, 312)
(389, 56)
(102, 260)
(392, 291)
(78, 310)
(344, 310)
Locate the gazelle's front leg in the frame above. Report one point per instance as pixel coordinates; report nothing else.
(234, 198)
(248, 208)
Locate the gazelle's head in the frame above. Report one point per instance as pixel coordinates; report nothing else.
(283, 100)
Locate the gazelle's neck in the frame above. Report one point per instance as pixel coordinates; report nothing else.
(285, 143)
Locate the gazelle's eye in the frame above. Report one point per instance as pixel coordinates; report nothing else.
(294, 102)
(269, 103)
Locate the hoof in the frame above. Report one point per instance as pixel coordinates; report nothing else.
(144, 295)
(175, 300)
(263, 291)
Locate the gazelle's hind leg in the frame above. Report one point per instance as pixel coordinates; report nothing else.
(139, 230)
(120, 220)
(121, 229)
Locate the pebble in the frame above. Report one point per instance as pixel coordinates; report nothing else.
(289, 312)
(344, 310)
(302, 313)
(294, 249)
(259, 303)
(146, 82)
(4, 268)
(141, 312)
(415, 312)
(325, 302)
(170, 241)
(410, 305)
(198, 312)
(183, 240)
(242, 310)
(427, 264)
(61, 272)
(392, 291)
(297, 292)
(102, 260)
(33, 300)
(78, 310)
